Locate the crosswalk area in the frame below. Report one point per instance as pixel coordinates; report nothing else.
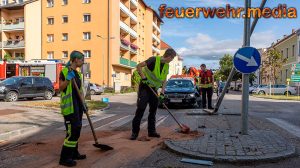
(104, 121)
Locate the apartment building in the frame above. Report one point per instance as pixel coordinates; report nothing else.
(289, 47)
(114, 35)
(137, 33)
(175, 66)
(20, 29)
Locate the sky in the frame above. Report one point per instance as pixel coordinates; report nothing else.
(201, 40)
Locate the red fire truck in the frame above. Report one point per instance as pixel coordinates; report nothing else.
(46, 68)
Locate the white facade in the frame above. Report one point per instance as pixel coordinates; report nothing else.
(175, 67)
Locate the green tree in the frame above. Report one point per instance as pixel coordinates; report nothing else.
(226, 64)
(7, 57)
(274, 62)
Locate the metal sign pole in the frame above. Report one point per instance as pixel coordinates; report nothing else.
(245, 93)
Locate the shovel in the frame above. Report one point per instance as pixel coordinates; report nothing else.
(97, 145)
(183, 128)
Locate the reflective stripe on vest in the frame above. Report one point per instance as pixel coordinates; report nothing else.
(66, 99)
(156, 77)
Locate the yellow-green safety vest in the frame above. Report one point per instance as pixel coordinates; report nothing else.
(66, 100)
(156, 77)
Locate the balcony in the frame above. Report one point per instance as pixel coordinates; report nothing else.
(127, 63)
(128, 12)
(155, 38)
(155, 26)
(125, 44)
(128, 29)
(133, 48)
(156, 49)
(134, 2)
(13, 44)
(13, 26)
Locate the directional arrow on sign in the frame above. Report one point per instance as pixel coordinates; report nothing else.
(251, 61)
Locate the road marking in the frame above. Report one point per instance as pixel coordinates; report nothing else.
(117, 123)
(94, 119)
(161, 121)
(293, 129)
(144, 124)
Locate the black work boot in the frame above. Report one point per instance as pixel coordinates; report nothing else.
(77, 155)
(154, 134)
(66, 157)
(67, 162)
(134, 136)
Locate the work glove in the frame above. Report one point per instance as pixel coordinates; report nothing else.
(85, 108)
(70, 75)
(161, 98)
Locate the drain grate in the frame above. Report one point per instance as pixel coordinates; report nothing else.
(11, 147)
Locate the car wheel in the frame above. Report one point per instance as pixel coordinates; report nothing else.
(48, 95)
(261, 92)
(92, 92)
(288, 93)
(11, 96)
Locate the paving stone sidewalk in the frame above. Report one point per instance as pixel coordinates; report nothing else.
(222, 141)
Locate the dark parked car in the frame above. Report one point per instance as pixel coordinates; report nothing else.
(13, 88)
(181, 91)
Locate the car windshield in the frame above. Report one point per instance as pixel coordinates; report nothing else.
(180, 84)
(98, 85)
(10, 81)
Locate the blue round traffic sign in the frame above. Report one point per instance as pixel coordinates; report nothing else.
(247, 60)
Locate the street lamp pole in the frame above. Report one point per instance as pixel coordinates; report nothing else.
(103, 47)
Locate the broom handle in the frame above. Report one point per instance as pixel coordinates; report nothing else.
(166, 107)
(87, 115)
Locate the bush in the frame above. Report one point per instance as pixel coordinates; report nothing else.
(126, 89)
(109, 90)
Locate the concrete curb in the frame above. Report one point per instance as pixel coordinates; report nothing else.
(193, 152)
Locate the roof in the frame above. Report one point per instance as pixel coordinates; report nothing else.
(164, 45)
(287, 37)
(154, 12)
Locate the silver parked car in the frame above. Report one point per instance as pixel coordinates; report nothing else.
(275, 89)
(96, 89)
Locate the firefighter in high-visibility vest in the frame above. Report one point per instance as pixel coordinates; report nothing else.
(153, 74)
(71, 109)
(206, 80)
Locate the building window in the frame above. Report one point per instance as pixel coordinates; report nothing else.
(65, 37)
(50, 54)
(50, 38)
(65, 19)
(287, 53)
(293, 50)
(50, 3)
(282, 54)
(87, 53)
(4, 2)
(86, 35)
(126, 76)
(86, 17)
(65, 2)
(86, 1)
(50, 21)
(65, 54)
